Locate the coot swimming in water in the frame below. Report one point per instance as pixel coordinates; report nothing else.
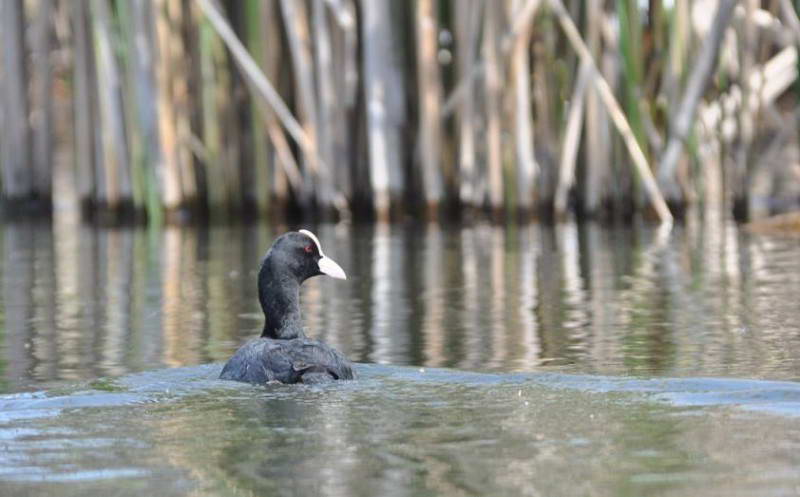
(283, 353)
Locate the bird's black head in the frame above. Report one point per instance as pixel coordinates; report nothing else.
(292, 259)
(300, 253)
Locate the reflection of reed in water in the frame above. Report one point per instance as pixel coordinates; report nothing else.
(381, 278)
(498, 327)
(477, 302)
(600, 283)
(18, 276)
(228, 277)
(389, 330)
(472, 338)
(529, 342)
(748, 285)
(104, 327)
(434, 329)
(77, 304)
(573, 284)
(117, 270)
(182, 305)
(328, 301)
(496, 316)
(80, 302)
(42, 326)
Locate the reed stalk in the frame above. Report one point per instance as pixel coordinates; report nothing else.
(42, 124)
(430, 95)
(639, 160)
(115, 160)
(255, 12)
(493, 81)
(467, 19)
(295, 21)
(699, 78)
(169, 82)
(569, 149)
(212, 59)
(327, 112)
(385, 106)
(597, 150)
(143, 78)
(17, 178)
(526, 166)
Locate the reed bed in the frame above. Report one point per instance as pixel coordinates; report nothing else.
(179, 110)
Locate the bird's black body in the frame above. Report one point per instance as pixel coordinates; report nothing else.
(262, 360)
(283, 353)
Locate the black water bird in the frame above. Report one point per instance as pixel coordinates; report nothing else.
(283, 352)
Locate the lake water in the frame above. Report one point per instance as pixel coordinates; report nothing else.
(566, 360)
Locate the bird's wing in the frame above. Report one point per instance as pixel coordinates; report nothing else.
(287, 361)
(314, 357)
(259, 361)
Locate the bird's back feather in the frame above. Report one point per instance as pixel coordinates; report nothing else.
(262, 360)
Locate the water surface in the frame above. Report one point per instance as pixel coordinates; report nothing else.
(578, 360)
(403, 431)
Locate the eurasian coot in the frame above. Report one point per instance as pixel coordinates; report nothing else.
(283, 353)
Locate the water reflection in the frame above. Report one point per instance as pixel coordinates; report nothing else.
(388, 302)
(79, 302)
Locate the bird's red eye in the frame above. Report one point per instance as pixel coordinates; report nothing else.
(309, 249)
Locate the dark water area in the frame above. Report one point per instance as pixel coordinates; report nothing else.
(533, 360)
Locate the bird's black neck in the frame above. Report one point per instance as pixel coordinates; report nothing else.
(279, 294)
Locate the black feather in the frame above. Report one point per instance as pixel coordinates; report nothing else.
(283, 353)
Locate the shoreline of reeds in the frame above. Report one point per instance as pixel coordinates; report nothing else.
(193, 111)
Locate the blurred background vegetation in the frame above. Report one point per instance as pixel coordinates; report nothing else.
(181, 110)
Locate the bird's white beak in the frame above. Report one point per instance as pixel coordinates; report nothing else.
(329, 267)
(326, 265)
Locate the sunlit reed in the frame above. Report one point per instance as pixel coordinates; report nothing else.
(197, 110)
